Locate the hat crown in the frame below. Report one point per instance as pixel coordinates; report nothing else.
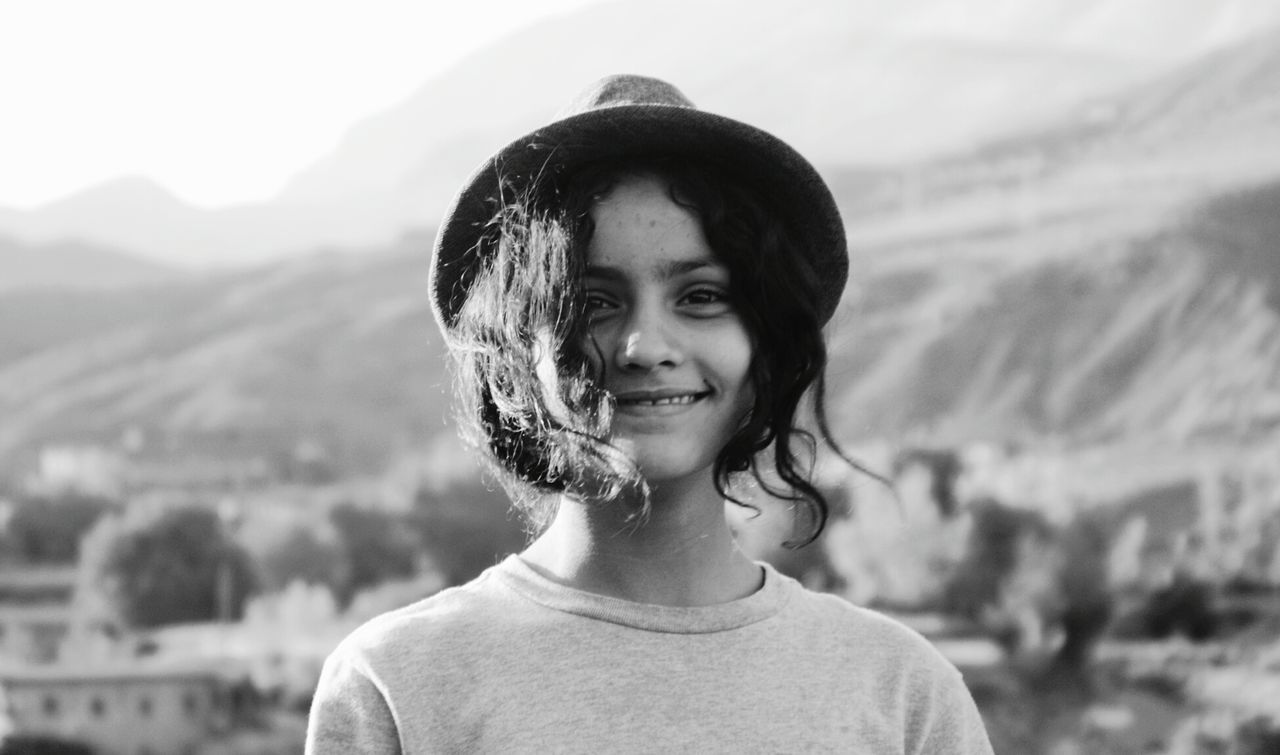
(625, 89)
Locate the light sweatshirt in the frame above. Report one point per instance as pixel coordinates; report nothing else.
(513, 662)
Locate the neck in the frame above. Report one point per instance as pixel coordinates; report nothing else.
(683, 554)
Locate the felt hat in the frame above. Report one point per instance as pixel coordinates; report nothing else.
(625, 116)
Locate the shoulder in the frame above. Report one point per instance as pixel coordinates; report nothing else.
(865, 631)
(895, 667)
(458, 615)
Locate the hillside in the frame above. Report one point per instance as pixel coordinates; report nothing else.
(1172, 335)
(1205, 127)
(1094, 280)
(332, 350)
(846, 83)
(72, 264)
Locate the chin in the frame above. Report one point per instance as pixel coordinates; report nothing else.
(671, 466)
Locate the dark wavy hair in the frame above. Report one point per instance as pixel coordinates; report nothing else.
(544, 421)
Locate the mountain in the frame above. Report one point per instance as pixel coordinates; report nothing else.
(139, 215)
(1202, 127)
(329, 349)
(1106, 278)
(72, 264)
(1171, 334)
(848, 83)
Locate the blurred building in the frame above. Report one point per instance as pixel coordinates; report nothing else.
(121, 709)
(91, 470)
(36, 612)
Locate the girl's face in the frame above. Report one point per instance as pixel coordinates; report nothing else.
(671, 347)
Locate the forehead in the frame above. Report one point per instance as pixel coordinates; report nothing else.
(638, 224)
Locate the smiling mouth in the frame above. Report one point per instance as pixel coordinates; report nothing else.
(659, 399)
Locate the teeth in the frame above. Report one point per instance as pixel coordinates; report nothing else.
(659, 401)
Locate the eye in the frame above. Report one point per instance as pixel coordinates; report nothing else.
(706, 299)
(597, 303)
(704, 296)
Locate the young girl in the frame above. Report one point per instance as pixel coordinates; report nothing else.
(634, 296)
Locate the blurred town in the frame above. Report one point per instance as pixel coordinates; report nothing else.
(1061, 347)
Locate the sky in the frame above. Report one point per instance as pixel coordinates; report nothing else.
(220, 101)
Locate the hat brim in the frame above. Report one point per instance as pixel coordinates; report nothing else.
(780, 175)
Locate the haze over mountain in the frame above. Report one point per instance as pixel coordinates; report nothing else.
(849, 83)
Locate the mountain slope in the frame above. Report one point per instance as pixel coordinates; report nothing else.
(1174, 335)
(1118, 280)
(1204, 127)
(333, 350)
(72, 264)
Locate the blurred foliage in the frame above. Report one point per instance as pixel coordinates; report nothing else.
(302, 556)
(1087, 602)
(466, 528)
(47, 529)
(1184, 607)
(991, 557)
(375, 545)
(1258, 736)
(1028, 581)
(454, 533)
(179, 565)
(944, 466)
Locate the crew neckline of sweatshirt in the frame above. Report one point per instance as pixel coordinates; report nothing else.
(759, 605)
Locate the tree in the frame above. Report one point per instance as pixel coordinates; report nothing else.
(377, 547)
(179, 566)
(47, 530)
(1022, 574)
(301, 556)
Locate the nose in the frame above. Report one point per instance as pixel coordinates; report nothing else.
(647, 342)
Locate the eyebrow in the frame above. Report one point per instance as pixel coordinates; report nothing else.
(666, 270)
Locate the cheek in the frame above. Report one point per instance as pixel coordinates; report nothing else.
(736, 352)
(747, 399)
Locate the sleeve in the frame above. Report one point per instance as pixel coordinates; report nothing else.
(948, 720)
(349, 713)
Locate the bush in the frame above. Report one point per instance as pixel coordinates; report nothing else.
(1020, 575)
(376, 546)
(1185, 607)
(1258, 736)
(178, 566)
(301, 556)
(991, 557)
